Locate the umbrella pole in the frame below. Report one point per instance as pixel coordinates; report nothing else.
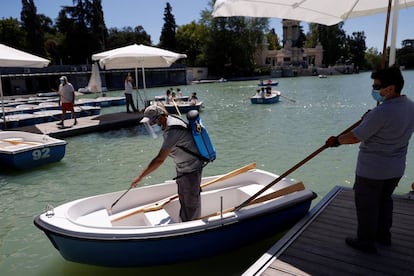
(136, 82)
(2, 105)
(138, 94)
(384, 47)
(144, 82)
(394, 32)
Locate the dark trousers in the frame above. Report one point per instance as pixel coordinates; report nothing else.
(189, 195)
(129, 102)
(374, 207)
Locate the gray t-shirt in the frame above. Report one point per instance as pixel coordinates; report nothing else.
(185, 162)
(384, 133)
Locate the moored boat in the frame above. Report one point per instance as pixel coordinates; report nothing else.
(144, 228)
(23, 150)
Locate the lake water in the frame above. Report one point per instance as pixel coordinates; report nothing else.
(276, 137)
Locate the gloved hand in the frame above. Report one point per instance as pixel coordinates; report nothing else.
(332, 142)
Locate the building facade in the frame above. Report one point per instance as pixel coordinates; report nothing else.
(290, 55)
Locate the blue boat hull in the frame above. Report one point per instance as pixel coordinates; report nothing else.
(131, 251)
(32, 157)
(270, 100)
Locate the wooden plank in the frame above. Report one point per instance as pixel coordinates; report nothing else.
(86, 124)
(317, 246)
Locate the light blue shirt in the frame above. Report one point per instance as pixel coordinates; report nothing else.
(384, 133)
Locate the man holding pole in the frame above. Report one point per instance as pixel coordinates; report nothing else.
(384, 134)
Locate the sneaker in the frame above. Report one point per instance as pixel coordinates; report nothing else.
(60, 123)
(365, 247)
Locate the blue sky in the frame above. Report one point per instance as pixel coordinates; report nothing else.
(149, 14)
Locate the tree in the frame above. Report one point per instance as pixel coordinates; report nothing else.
(356, 49)
(167, 38)
(333, 40)
(405, 55)
(11, 34)
(31, 24)
(127, 35)
(191, 40)
(273, 40)
(97, 25)
(373, 58)
(84, 31)
(231, 43)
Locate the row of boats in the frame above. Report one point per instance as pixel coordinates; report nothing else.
(20, 150)
(23, 150)
(21, 112)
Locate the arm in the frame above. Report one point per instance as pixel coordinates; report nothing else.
(348, 138)
(153, 165)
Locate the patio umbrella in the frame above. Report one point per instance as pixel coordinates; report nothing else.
(95, 82)
(137, 56)
(10, 57)
(326, 12)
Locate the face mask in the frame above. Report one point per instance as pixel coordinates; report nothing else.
(377, 96)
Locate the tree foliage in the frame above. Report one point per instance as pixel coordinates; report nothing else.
(31, 24)
(191, 40)
(273, 40)
(231, 43)
(84, 30)
(167, 38)
(126, 36)
(11, 34)
(356, 49)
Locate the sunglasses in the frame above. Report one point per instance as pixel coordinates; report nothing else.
(378, 86)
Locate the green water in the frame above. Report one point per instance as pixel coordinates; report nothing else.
(276, 137)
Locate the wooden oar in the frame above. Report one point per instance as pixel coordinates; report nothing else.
(176, 107)
(161, 203)
(309, 157)
(284, 191)
(19, 142)
(292, 100)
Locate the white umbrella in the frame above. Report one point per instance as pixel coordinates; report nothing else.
(10, 57)
(95, 82)
(133, 56)
(326, 12)
(137, 56)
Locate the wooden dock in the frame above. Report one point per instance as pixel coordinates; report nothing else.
(316, 245)
(85, 125)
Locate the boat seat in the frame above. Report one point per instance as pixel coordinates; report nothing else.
(159, 217)
(96, 218)
(250, 189)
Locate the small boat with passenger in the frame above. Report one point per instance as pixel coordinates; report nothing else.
(265, 96)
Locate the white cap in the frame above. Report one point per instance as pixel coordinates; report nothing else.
(152, 113)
